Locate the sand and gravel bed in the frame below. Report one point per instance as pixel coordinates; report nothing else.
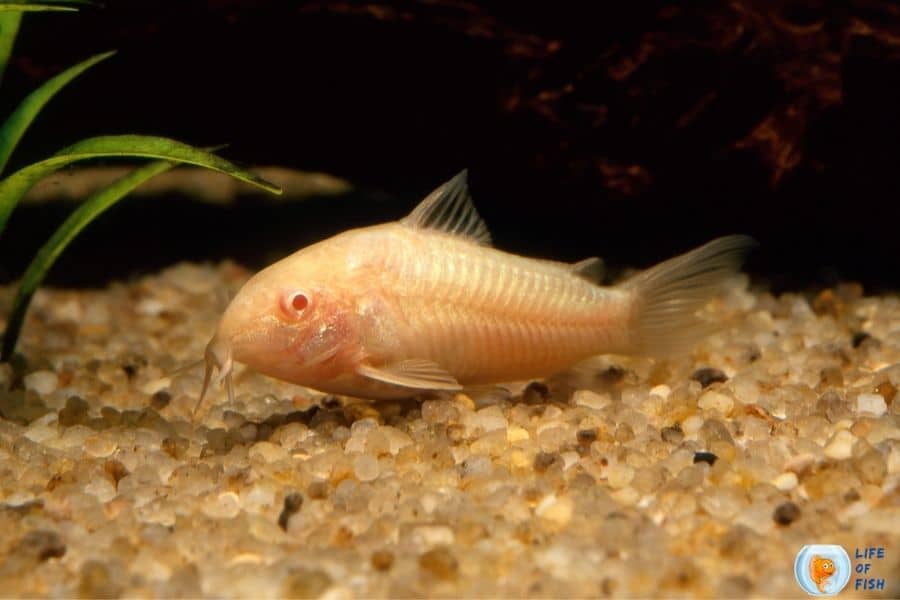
(698, 476)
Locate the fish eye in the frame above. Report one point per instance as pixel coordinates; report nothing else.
(294, 303)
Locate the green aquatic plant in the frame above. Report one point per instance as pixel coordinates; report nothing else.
(168, 154)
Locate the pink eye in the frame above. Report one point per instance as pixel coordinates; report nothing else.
(294, 303)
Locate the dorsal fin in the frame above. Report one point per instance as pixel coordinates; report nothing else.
(449, 209)
(591, 269)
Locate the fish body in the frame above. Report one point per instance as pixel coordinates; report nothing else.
(425, 303)
(820, 570)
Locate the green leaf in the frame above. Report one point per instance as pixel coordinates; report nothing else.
(42, 5)
(16, 185)
(71, 227)
(18, 122)
(21, 7)
(9, 27)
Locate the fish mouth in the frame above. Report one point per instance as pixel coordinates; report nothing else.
(217, 356)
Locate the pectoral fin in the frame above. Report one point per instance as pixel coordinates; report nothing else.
(414, 373)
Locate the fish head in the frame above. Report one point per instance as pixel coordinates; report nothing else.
(823, 566)
(292, 320)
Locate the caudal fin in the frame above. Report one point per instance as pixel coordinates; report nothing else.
(667, 296)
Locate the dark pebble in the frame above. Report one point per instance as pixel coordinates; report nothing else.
(132, 364)
(786, 513)
(41, 545)
(96, 581)
(735, 586)
(174, 446)
(75, 412)
(752, 353)
(64, 478)
(317, 490)
(536, 393)
(831, 377)
(331, 402)
(110, 415)
(828, 303)
(292, 503)
(611, 375)
(455, 433)
(586, 437)
(707, 457)
(382, 559)
(544, 460)
(440, 562)
(851, 496)
(887, 391)
(306, 583)
(160, 400)
(115, 469)
(672, 434)
(832, 406)
(708, 376)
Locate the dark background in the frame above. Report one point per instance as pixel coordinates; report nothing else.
(631, 130)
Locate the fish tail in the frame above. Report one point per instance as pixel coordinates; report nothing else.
(666, 297)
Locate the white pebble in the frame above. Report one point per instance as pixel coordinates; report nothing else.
(398, 439)
(72, 437)
(102, 488)
(840, 446)
(430, 536)
(192, 279)
(516, 434)
(69, 310)
(619, 475)
(99, 446)
(258, 497)
(692, 425)
(893, 461)
(627, 496)
(716, 401)
(356, 444)
(785, 481)
(42, 433)
(365, 467)
(661, 390)
(487, 419)
(569, 458)
(591, 399)
(557, 510)
(42, 382)
(871, 403)
(224, 506)
(267, 452)
(150, 307)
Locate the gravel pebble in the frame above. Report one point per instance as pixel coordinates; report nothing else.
(110, 487)
(873, 404)
(42, 382)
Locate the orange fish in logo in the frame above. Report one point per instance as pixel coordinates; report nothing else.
(820, 569)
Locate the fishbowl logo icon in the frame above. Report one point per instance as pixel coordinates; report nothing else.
(822, 569)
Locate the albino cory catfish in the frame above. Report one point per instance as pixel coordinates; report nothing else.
(425, 303)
